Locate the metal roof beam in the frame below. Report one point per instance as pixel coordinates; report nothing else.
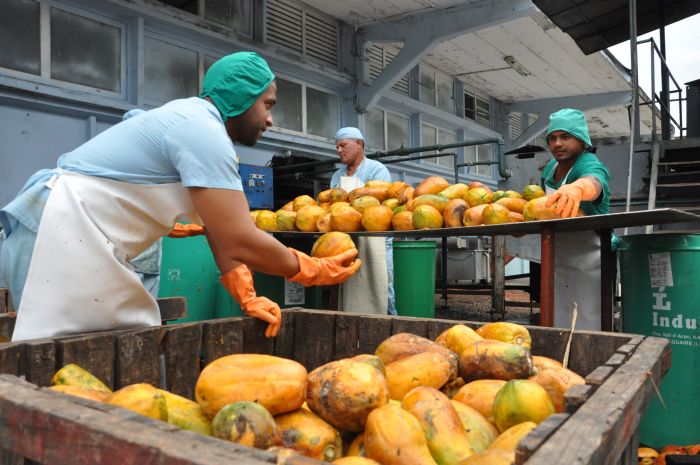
(420, 33)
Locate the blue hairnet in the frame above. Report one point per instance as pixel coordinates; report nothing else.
(571, 121)
(348, 133)
(235, 82)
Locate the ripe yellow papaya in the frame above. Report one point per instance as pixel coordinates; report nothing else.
(480, 395)
(430, 369)
(480, 431)
(490, 359)
(402, 345)
(394, 437)
(186, 414)
(143, 399)
(99, 396)
(75, 375)
(556, 381)
(521, 400)
(509, 439)
(246, 423)
(309, 435)
(503, 331)
(457, 338)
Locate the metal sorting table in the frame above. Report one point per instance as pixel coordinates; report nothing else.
(547, 229)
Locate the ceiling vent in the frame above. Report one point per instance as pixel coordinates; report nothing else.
(379, 58)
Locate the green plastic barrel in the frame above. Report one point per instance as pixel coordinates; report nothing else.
(414, 278)
(224, 305)
(188, 270)
(660, 275)
(286, 294)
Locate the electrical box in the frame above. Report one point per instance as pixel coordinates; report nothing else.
(257, 186)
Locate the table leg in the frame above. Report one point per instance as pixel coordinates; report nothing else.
(606, 280)
(443, 272)
(498, 276)
(547, 278)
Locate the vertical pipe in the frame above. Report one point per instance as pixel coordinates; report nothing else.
(443, 272)
(455, 164)
(606, 280)
(665, 97)
(498, 276)
(547, 278)
(634, 109)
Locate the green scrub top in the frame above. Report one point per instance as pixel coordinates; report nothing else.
(587, 164)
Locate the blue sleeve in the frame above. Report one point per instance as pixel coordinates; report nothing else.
(335, 180)
(380, 173)
(203, 155)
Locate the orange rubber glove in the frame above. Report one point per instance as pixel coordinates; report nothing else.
(570, 196)
(186, 230)
(325, 271)
(239, 283)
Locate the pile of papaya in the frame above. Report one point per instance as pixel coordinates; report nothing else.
(468, 397)
(384, 206)
(650, 456)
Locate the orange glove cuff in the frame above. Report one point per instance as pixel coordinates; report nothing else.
(239, 283)
(325, 271)
(186, 230)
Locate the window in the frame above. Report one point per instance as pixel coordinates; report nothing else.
(477, 109)
(304, 109)
(235, 14)
(436, 89)
(386, 131)
(479, 153)
(430, 135)
(469, 106)
(19, 36)
(379, 58)
(170, 71)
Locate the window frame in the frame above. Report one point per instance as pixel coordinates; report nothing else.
(198, 18)
(437, 129)
(385, 121)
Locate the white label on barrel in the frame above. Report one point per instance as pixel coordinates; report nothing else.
(660, 270)
(293, 293)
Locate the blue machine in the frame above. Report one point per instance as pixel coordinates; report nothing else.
(257, 186)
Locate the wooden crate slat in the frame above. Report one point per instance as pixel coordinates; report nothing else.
(137, 358)
(417, 326)
(7, 324)
(94, 352)
(284, 342)
(314, 340)
(530, 443)
(373, 330)
(617, 359)
(221, 337)
(40, 361)
(181, 346)
(435, 327)
(576, 396)
(599, 375)
(347, 336)
(254, 340)
(600, 430)
(11, 355)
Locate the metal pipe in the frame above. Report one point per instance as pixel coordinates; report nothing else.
(547, 277)
(634, 108)
(665, 104)
(606, 280)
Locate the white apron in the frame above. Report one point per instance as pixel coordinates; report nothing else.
(79, 279)
(577, 276)
(367, 291)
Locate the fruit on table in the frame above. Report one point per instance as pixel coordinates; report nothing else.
(394, 437)
(498, 195)
(479, 196)
(266, 220)
(246, 423)
(535, 210)
(403, 220)
(337, 195)
(402, 345)
(512, 204)
(346, 219)
(99, 396)
(331, 244)
(406, 195)
(540, 362)
(254, 215)
(521, 400)
(357, 446)
(394, 191)
(143, 399)
(279, 384)
(490, 359)
(308, 434)
(646, 455)
(75, 375)
(324, 196)
(186, 414)
(343, 393)
(378, 192)
(457, 338)
(361, 203)
(506, 332)
(533, 191)
(302, 201)
(431, 185)
(378, 183)
(391, 203)
(455, 191)
(494, 213)
(556, 381)
(430, 369)
(323, 223)
(289, 206)
(474, 216)
(480, 431)
(447, 440)
(377, 218)
(436, 201)
(335, 205)
(372, 360)
(453, 213)
(491, 457)
(515, 217)
(426, 217)
(286, 220)
(480, 395)
(307, 217)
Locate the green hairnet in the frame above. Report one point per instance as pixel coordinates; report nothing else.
(235, 82)
(571, 121)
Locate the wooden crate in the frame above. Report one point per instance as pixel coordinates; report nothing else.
(599, 427)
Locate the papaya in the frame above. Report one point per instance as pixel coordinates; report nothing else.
(331, 244)
(455, 191)
(307, 217)
(378, 192)
(266, 220)
(480, 431)
(532, 191)
(254, 215)
(430, 369)
(246, 423)
(309, 435)
(391, 203)
(326, 206)
(479, 196)
(99, 396)
(346, 219)
(512, 204)
(335, 205)
(324, 196)
(394, 437)
(515, 217)
(406, 195)
(426, 217)
(394, 191)
(541, 363)
(475, 184)
(372, 360)
(556, 381)
(343, 393)
(337, 195)
(447, 440)
(454, 213)
(521, 400)
(439, 203)
(431, 185)
(479, 395)
(323, 223)
(489, 359)
(473, 216)
(457, 338)
(276, 383)
(452, 386)
(509, 439)
(355, 461)
(402, 345)
(186, 414)
(535, 210)
(646, 456)
(75, 375)
(503, 331)
(283, 453)
(302, 201)
(357, 446)
(285, 220)
(141, 398)
(289, 206)
(402, 221)
(494, 213)
(362, 203)
(377, 218)
(491, 457)
(498, 195)
(378, 183)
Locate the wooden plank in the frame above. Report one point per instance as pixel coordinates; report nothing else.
(137, 357)
(284, 342)
(347, 335)
(40, 361)
(4, 298)
(576, 396)
(172, 308)
(52, 428)
(417, 326)
(221, 337)
(599, 375)
(435, 327)
(314, 338)
(530, 443)
(7, 326)
(372, 330)
(11, 354)
(627, 349)
(602, 427)
(94, 352)
(254, 340)
(181, 346)
(616, 360)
